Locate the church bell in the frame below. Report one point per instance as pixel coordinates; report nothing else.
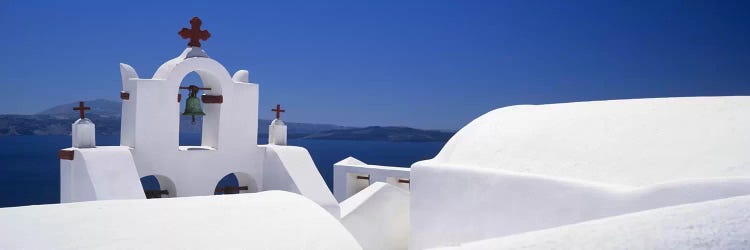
(193, 104)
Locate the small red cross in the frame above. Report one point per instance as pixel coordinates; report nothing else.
(195, 34)
(278, 111)
(82, 109)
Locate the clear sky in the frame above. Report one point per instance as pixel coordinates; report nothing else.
(425, 64)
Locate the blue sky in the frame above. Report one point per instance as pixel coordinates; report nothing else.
(426, 64)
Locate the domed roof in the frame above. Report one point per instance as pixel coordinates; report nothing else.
(629, 142)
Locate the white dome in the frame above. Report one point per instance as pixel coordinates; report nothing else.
(273, 219)
(629, 142)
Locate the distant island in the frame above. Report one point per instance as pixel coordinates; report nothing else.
(376, 133)
(106, 115)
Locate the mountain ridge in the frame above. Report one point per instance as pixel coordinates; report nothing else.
(106, 115)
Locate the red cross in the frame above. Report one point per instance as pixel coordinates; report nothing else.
(278, 111)
(82, 109)
(195, 34)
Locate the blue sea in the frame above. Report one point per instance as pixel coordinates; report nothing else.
(30, 175)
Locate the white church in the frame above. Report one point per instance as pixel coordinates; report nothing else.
(664, 173)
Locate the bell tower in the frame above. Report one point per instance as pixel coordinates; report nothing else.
(150, 163)
(151, 112)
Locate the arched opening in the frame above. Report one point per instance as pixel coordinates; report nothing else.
(158, 186)
(236, 183)
(190, 132)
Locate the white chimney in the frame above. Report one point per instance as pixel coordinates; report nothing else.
(277, 133)
(84, 133)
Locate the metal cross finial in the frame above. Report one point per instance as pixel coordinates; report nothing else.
(195, 34)
(278, 111)
(82, 109)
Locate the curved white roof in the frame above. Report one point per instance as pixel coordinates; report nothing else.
(628, 142)
(266, 220)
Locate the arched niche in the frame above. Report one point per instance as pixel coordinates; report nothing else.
(158, 186)
(209, 123)
(214, 76)
(190, 134)
(235, 183)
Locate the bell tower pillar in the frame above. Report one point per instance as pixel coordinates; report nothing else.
(277, 129)
(83, 130)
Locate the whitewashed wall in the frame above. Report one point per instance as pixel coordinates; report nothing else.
(102, 173)
(291, 169)
(717, 224)
(451, 205)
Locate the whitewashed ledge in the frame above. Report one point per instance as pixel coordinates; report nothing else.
(351, 175)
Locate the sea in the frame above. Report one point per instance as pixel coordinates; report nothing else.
(30, 169)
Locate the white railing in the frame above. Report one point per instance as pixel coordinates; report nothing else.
(351, 176)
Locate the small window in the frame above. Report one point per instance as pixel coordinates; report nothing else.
(235, 183)
(158, 186)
